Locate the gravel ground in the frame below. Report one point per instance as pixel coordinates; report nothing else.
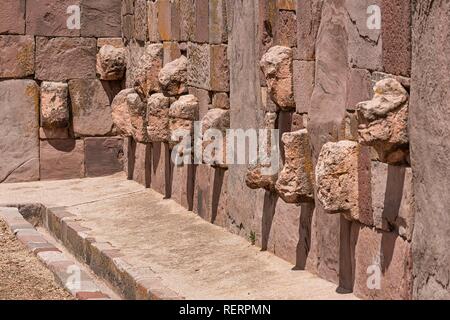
(22, 275)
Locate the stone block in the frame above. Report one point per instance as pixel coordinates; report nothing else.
(164, 19)
(17, 54)
(287, 5)
(383, 122)
(221, 100)
(148, 67)
(267, 25)
(104, 156)
(286, 32)
(100, 18)
(158, 118)
(50, 18)
(12, 17)
(121, 115)
(309, 14)
(337, 178)
(152, 21)
(201, 30)
(172, 51)
(219, 74)
(218, 22)
(187, 20)
(295, 182)
(91, 109)
(55, 111)
(359, 87)
(139, 163)
(304, 84)
(140, 31)
(160, 168)
(214, 127)
(111, 63)
(133, 53)
(277, 66)
(199, 66)
(19, 129)
(61, 159)
(54, 133)
(173, 77)
(204, 100)
(68, 52)
(115, 42)
(182, 114)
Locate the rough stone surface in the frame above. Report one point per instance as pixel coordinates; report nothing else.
(138, 117)
(295, 181)
(309, 14)
(278, 70)
(19, 129)
(383, 122)
(221, 100)
(220, 78)
(12, 17)
(337, 178)
(61, 159)
(17, 54)
(359, 87)
(91, 109)
(182, 114)
(55, 111)
(140, 20)
(100, 18)
(214, 152)
(199, 70)
(68, 52)
(104, 156)
(173, 77)
(111, 63)
(304, 84)
(286, 31)
(121, 114)
(49, 18)
(148, 68)
(187, 19)
(158, 118)
(218, 22)
(429, 131)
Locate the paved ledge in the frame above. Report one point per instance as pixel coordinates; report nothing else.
(148, 247)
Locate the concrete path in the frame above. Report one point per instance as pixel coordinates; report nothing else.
(194, 258)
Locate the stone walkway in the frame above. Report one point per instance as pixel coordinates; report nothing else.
(192, 257)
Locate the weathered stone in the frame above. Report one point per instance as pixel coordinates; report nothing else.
(55, 112)
(149, 66)
(199, 70)
(359, 87)
(12, 17)
(140, 20)
(286, 32)
(182, 114)
(91, 109)
(133, 53)
(111, 63)
(201, 31)
(221, 100)
(295, 181)
(53, 133)
(152, 21)
(171, 51)
(385, 257)
(121, 114)
(17, 54)
(204, 100)
(396, 35)
(218, 22)
(187, 19)
(304, 84)
(337, 178)
(267, 25)
(50, 18)
(173, 77)
(384, 122)
(61, 159)
(309, 13)
(139, 158)
(115, 42)
(429, 131)
(267, 104)
(277, 67)
(19, 125)
(158, 118)
(138, 117)
(214, 126)
(219, 74)
(127, 27)
(104, 156)
(287, 5)
(100, 18)
(164, 19)
(68, 52)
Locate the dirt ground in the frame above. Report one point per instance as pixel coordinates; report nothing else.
(22, 275)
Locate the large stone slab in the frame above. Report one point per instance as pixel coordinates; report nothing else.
(75, 57)
(104, 156)
(62, 159)
(12, 17)
(19, 130)
(100, 18)
(17, 54)
(50, 17)
(91, 110)
(429, 132)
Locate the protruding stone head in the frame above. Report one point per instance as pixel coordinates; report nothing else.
(146, 78)
(383, 122)
(54, 108)
(277, 66)
(111, 63)
(173, 77)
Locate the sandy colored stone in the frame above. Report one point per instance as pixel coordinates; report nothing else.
(138, 116)
(91, 109)
(140, 31)
(173, 77)
(158, 118)
(19, 129)
(278, 70)
(383, 122)
(199, 67)
(221, 100)
(120, 113)
(337, 178)
(148, 68)
(182, 114)
(17, 54)
(295, 181)
(214, 127)
(111, 63)
(55, 111)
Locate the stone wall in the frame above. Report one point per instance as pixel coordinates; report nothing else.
(55, 112)
(363, 184)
